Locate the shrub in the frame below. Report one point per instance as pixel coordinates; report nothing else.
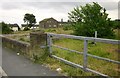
(5, 28)
(67, 27)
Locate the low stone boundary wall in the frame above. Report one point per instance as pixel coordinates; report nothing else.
(31, 50)
(18, 46)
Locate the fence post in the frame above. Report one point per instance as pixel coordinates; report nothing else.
(49, 44)
(37, 39)
(85, 54)
(95, 36)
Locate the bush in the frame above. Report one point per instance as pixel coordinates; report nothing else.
(51, 30)
(67, 27)
(5, 28)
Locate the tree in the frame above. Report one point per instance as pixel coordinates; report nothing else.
(116, 24)
(90, 18)
(30, 19)
(5, 28)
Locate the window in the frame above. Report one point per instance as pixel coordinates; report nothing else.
(49, 25)
(48, 21)
(54, 25)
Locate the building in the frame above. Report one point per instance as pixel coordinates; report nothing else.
(35, 26)
(25, 25)
(62, 23)
(48, 23)
(14, 27)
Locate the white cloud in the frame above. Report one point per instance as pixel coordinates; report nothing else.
(59, 0)
(13, 12)
(113, 14)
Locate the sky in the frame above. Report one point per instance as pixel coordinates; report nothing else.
(13, 11)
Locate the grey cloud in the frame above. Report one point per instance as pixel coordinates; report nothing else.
(109, 5)
(119, 10)
(11, 5)
(48, 5)
(64, 6)
(58, 6)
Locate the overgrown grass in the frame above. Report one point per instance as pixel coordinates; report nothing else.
(117, 33)
(100, 49)
(22, 34)
(21, 37)
(58, 31)
(55, 30)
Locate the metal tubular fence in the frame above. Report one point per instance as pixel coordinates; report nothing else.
(97, 57)
(85, 54)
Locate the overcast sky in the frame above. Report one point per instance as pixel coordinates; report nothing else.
(12, 11)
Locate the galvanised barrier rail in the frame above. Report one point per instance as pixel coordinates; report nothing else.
(84, 53)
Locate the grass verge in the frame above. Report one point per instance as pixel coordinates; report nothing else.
(100, 49)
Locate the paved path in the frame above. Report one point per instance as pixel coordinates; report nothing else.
(15, 65)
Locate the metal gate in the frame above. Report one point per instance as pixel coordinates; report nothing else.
(84, 53)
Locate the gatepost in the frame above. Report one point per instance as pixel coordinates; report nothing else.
(37, 40)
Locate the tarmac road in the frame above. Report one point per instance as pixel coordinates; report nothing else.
(15, 65)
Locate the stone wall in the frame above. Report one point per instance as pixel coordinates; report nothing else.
(32, 49)
(37, 40)
(18, 46)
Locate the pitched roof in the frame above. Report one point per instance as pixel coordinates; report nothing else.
(13, 25)
(44, 20)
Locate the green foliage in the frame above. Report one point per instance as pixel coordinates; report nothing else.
(117, 33)
(116, 24)
(67, 27)
(40, 59)
(30, 19)
(5, 28)
(26, 29)
(90, 18)
(22, 39)
(51, 30)
(100, 49)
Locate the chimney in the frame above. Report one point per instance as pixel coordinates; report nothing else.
(61, 20)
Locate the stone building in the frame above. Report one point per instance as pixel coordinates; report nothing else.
(48, 23)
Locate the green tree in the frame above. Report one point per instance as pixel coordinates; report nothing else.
(90, 18)
(116, 24)
(30, 19)
(5, 28)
